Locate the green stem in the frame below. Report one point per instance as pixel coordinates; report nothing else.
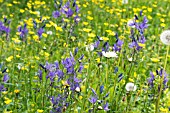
(161, 86)
(107, 70)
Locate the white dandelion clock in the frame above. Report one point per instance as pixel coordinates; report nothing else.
(165, 37)
(130, 86)
(49, 32)
(109, 54)
(90, 47)
(124, 1)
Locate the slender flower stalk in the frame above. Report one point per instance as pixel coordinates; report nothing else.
(107, 70)
(161, 85)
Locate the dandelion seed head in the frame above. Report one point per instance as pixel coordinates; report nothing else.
(165, 37)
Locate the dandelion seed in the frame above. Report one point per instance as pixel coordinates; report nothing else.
(124, 1)
(90, 47)
(165, 37)
(130, 86)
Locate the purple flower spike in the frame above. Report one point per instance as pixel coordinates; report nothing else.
(40, 75)
(56, 14)
(2, 88)
(75, 51)
(6, 78)
(93, 91)
(105, 107)
(24, 31)
(40, 32)
(80, 68)
(69, 13)
(76, 19)
(101, 89)
(93, 99)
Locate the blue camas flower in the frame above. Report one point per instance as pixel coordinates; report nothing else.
(140, 27)
(5, 78)
(56, 14)
(23, 31)
(4, 28)
(93, 99)
(40, 32)
(151, 79)
(158, 74)
(118, 45)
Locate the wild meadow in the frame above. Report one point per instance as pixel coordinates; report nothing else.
(84, 56)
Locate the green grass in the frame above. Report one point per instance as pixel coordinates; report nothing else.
(97, 18)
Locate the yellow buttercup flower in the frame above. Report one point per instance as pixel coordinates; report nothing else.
(89, 18)
(163, 24)
(46, 54)
(9, 59)
(8, 101)
(149, 9)
(105, 38)
(4, 92)
(40, 111)
(44, 35)
(86, 66)
(85, 23)
(16, 91)
(135, 75)
(154, 59)
(18, 56)
(58, 28)
(164, 110)
(141, 45)
(98, 60)
(91, 35)
(86, 30)
(131, 80)
(22, 10)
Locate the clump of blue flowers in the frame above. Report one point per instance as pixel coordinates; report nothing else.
(63, 76)
(4, 27)
(152, 80)
(137, 37)
(99, 102)
(5, 79)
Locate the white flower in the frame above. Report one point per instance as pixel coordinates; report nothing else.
(109, 54)
(100, 107)
(131, 22)
(130, 59)
(124, 1)
(49, 32)
(77, 89)
(90, 47)
(130, 86)
(19, 66)
(165, 37)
